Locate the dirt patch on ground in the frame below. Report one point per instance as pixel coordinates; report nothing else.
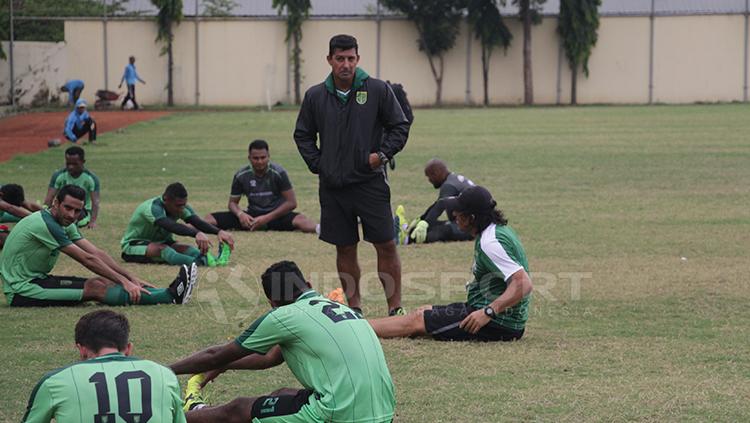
(29, 133)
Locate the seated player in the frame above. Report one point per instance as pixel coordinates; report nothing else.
(270, 197)
(75, 173)
(149, 236)
(497, 304)
(34, 245)
(107, 382)
(13, 204)
(13, 207)
(331, 351)
(80, 123)
(428, 228)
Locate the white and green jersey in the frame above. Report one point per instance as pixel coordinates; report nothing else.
(112, 388)
(332, 352)
(498, 254)
(31, 252)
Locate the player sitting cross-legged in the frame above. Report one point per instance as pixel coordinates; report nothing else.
(108, 384)
(331, 351)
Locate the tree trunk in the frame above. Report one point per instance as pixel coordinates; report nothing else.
(485, 74)
(296, 51)
(170, 66)
(438, 78)
(573, 84)
(528, 83)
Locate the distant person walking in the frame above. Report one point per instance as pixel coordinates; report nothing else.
(130, 76)
(73, 88)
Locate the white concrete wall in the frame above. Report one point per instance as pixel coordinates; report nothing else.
(245, 62)
(38, 66)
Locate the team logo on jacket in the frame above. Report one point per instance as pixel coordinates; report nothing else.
(361, 97)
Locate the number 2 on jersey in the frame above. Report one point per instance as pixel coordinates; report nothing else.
(329, 309)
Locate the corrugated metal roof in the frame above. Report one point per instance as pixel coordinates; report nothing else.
(263, 8)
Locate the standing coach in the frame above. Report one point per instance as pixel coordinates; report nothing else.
(361, 127)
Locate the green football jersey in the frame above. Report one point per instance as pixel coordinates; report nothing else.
(86, 180)
(498, 254)
(142, 226)
(31, 251)
(112, 388)
(332, 352)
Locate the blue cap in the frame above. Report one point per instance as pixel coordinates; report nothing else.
(81, 103)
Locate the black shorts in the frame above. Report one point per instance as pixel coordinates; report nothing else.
(442, 324)
(227, 220)
(369, 201)
(52, 291)
(279, 405)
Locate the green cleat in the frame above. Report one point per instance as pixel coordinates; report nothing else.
(193, 397)
(224, 253)
(398, 311)
(211, 261)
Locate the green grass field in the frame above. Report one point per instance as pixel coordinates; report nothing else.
(635, 221)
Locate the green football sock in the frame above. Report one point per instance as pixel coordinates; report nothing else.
(118, 296)
(171, 256)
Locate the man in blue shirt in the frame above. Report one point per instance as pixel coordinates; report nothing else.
(73, 88)
(79, 123)
(130, 76)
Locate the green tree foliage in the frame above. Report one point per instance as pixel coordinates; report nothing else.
(437, 23)
(489, 28)
(49, 30)
(578, 23)
(170, 14)
(218, 7)
(296, 13)
(529, 12)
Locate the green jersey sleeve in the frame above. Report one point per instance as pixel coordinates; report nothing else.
(54, 236)
(40, 408)
(176, 397)
(263, 334)
(95, 180)
(187, 212)
(156, 211)
(53, 181)
(73, 233)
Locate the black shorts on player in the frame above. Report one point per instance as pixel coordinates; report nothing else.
(58, 291)
(285, 403)
(369, 201)
(227, 220)
(442, 323)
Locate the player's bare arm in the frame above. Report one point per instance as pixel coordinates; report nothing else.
(211, 358)
(519, 286)
(96, 265)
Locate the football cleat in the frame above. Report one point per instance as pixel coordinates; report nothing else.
(398, 311)
(224, 253)
(193, 397)
(183, 285)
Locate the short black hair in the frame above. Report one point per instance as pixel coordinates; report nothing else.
(72, 190)
(342, 42)
(76, 151)
(102, 329)
(13, 194)
(283, 282)
(258, 145)
(175, 190)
